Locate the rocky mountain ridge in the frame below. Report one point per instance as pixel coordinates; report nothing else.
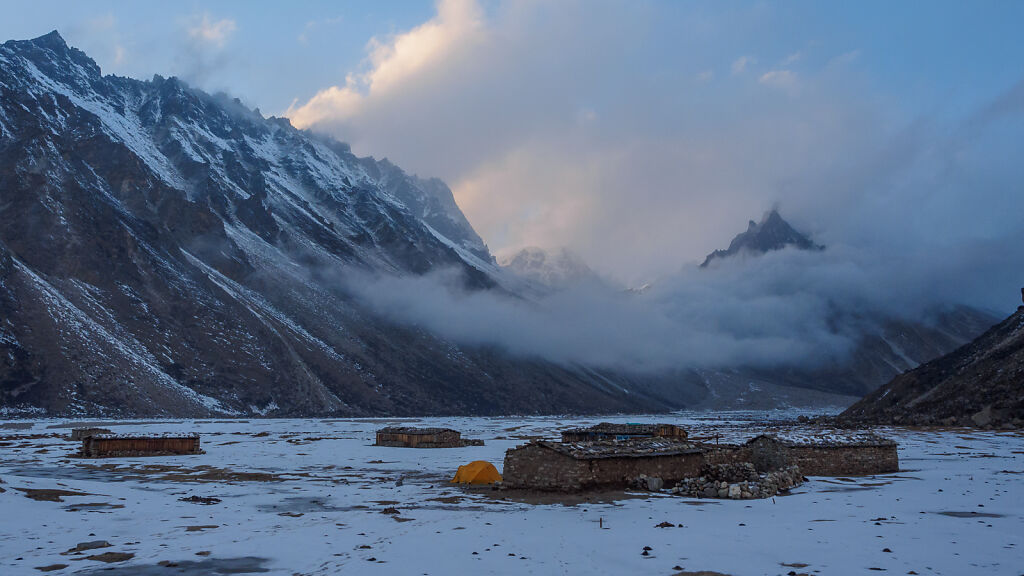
(164, 251)
(979, 384)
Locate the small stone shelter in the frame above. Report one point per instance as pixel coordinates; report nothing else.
(407, 437)
(574, 466)
(610, 431)
(114, 445)
(858, 455)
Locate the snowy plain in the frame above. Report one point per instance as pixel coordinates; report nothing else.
(316, 497)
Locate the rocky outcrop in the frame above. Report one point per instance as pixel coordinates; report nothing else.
(771, 233)
(740, 481)
(980, 384)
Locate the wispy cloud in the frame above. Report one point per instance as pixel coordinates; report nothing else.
(215, 33)
(740, 64)
(786, 79)
(312, 26)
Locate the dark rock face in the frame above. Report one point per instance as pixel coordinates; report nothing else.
(168, 252)
(772, 233)
(979, 384)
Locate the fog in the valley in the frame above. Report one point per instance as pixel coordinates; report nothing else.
(555, 129)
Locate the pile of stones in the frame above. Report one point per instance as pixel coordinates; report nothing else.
(738, 481)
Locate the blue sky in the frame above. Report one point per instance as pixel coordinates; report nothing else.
(937, 56)
(641, 135)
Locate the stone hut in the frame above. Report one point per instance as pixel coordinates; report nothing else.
(114, 445)
(609, 431)
(573, 466)
(405, 437)
(829, 455)
(857, 455)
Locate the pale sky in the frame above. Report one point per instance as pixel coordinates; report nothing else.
(641, 135)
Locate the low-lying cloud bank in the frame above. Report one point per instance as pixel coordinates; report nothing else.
(786, 308)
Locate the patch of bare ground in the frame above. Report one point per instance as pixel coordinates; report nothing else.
(699, 573)
(93, 506)
(539, 497)
(446, 499)
(111, 557)
(969, 514)
(200, 528)
(243, 565)
(169, 473)
(23, 437)
(50, 495)
(51, 567)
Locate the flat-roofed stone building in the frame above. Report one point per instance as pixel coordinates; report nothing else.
(573, 466)
(408, 437)
(114, 445)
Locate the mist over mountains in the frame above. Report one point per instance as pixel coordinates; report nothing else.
(165, 251)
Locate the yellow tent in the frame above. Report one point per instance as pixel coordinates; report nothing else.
(478, 472)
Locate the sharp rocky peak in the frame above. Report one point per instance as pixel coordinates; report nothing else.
(771, 233)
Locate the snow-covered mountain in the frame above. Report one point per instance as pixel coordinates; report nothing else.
(550, 269)
(164, 251)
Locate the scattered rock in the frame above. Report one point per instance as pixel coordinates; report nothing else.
(738, 481)
(665, 525)
(51, 567)
(204, 500)
(91, 545)
(200, 528)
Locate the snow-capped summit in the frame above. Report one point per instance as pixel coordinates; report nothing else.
(555, 269)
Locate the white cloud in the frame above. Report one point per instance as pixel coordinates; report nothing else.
(705, 76)
(555, 127)
(785, 79)
(793, 58)
(213, 33)
(740, 64)
(395, 61)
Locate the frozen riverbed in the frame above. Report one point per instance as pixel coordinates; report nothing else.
(316, 497)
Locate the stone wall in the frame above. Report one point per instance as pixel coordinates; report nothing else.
(107, 446)
(441, 438)
(842, 460)
(767, 454)
(537, 467)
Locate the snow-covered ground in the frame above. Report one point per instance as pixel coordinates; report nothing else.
(316, 497)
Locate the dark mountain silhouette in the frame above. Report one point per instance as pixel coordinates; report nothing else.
(772, 233)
